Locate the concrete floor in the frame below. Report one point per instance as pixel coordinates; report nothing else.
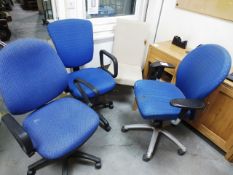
(26, 24)
(121, 153)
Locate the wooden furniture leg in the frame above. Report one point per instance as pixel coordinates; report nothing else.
(229, 155)
(135, 106)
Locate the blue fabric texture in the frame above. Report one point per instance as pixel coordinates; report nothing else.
(31, 74)
(153, 99)
(73, 39)
(100, 79)
(202, 70)
(60, 127)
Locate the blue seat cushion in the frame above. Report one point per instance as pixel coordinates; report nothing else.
(60, 127)
(153, 99)
(97, 77)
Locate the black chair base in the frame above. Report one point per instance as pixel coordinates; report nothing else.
(78, 155)
(104, 123)
(107, 104)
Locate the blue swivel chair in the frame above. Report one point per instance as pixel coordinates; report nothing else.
(31, 76)
(73, 40)
(200, 72)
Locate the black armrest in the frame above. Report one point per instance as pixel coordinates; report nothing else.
(162, 64)
(157, 69)
(188, 103)
(79, 81)
(19, 134)
(114, 60)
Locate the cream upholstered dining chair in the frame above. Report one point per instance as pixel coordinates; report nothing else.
(129, 46)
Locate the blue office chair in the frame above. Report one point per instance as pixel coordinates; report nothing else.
(200, 72)
(73, 39)
(31, 75)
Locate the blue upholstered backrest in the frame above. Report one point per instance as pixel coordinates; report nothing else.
(31, 74)
(202, 70)
(73, 39)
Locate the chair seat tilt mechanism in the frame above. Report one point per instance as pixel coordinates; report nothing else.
(73, 40)
(199, 73)
(31, 77)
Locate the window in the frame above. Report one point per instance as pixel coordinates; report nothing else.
(102, 13)
(109, 8)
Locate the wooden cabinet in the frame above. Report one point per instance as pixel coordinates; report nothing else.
(216, 121)
(165, 52)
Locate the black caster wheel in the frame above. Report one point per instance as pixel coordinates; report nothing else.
(181, 152)
(146, 158)
(110, 105)
(108, 128)
(98, 165)
(105, 106)
(5, 33)
(123, 129)
(31, 172)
